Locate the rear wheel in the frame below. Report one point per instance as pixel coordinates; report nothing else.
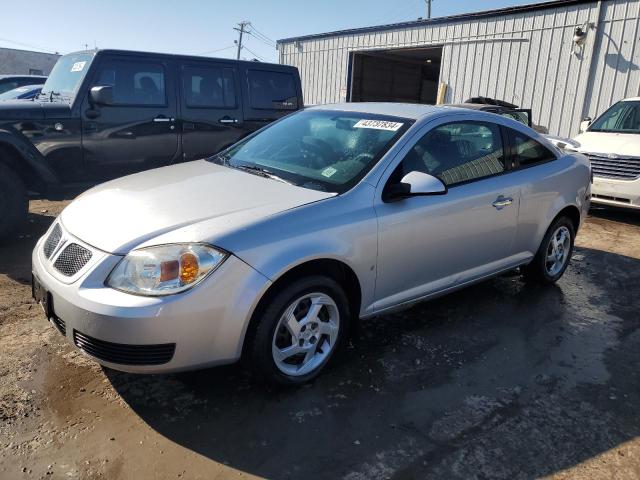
(300, 330)
(13, 201)
(552, 258)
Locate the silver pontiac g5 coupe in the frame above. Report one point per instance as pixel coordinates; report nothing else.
(270, 249)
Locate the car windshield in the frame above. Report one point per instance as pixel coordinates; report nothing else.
(15, 93)
(317, 149)
(67, 74)
(623, 117)
(521, 117)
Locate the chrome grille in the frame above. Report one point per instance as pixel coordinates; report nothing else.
(622, 168)
(72, 259)
(52, 241)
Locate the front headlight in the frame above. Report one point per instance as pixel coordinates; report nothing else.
(165, 269)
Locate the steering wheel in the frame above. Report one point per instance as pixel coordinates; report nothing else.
(321, 151)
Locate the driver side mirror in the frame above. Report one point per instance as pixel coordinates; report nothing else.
(584, 124)
(101, 95)
(415, 184)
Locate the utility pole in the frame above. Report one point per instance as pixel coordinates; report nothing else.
(428, 2)
(243, 24)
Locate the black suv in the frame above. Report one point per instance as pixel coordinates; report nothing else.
(108, 113)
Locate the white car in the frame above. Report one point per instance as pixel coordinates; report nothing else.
(612, 143)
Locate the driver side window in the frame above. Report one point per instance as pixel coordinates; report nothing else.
(458, 152)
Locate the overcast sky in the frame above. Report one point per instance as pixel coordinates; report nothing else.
(199, 26)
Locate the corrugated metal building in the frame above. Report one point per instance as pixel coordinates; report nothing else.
(525, 55)
(26, 62)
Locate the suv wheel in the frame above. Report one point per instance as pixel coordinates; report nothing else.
(14, 203)
(300, 330)
(554, 254)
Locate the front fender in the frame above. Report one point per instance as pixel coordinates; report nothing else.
(34, 161)
(342, 228)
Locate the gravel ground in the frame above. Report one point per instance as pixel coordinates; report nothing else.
(501, 380)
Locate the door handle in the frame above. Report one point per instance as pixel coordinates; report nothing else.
(502, 202)
(228, 120)
(163, 119)
(188, 126)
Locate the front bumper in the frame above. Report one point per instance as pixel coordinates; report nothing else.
(621, 193)
(206, 324)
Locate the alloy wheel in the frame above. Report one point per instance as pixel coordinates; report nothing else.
(306, 334)
(558, 251)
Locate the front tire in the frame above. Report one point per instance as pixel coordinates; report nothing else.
(14, 203)
(299, 331)
(554, 254)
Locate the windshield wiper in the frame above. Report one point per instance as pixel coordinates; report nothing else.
(263, 172)
(49, 95)
(220, 159)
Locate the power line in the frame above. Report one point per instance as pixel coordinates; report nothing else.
(262, 34)
(253, 53)
(218, 50)
(27, 45)
(261, 39)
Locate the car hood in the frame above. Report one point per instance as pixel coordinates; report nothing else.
(32, 110)
(189, 202)
(621, 144)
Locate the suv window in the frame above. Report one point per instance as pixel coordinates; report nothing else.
(458, 152)
(272, 90)
(134, 83)
(527, 151)
(211, 87)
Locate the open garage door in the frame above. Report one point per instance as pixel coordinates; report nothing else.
(407, 75)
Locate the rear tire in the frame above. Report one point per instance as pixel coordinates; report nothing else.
(311, 334)
(14, 203)
(554, 254)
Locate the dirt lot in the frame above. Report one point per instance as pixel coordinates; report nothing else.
(501, 380)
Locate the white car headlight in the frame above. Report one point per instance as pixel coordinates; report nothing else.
(165, 269)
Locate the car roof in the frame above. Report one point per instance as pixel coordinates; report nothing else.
(413, 111)
(631, 99)
(114, 51)
(2, 77)
(475, 106)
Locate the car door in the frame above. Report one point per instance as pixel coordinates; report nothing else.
(211, 109)
(431, 243)
(137, 130)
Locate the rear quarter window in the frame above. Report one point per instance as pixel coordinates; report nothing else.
(272, 90)
(527, 151)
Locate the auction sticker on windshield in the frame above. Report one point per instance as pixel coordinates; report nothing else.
(378, 125)
(328, 172)
(78, 66)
